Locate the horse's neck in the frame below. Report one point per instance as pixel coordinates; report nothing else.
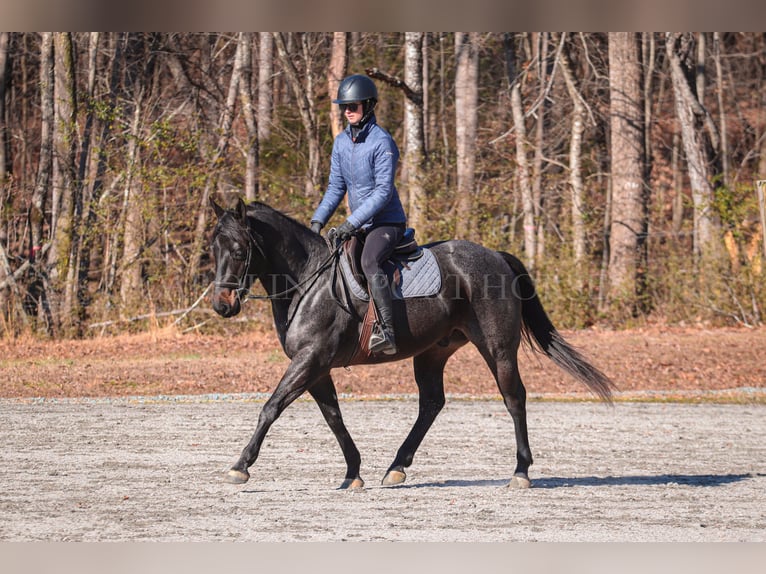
(289, 251)
(292, 254)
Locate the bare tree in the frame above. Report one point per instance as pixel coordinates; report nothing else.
(544, 69)
(466, 123)
(245, 60)
(5, 270)
(212, 180)
(693, 117)
(304, 97)
(4, 79)
(515, 77)
(44, 175)
(722, 108)
(128, 267)
(629, 206)
(265, 84)
(66, 204)
(335, 73)
(414, 155)
(575, 153)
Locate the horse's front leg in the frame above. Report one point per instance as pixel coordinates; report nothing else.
(324, 394)
(300, 375)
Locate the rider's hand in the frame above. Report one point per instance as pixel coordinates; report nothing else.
(316, 227)
(346, 230)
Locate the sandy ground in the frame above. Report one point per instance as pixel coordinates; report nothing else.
(141, 469)
(127, 438)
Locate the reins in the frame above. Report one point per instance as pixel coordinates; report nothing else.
(243, 291)
(313, 277)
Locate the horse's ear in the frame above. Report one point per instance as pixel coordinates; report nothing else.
(241, 209)
(217, 208)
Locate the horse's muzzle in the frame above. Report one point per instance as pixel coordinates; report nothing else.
(226, 302)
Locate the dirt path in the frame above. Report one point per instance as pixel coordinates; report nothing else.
(136, 469)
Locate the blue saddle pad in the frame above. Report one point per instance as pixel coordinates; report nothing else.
(420, 277)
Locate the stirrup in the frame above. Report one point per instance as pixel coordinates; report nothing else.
(381, 343)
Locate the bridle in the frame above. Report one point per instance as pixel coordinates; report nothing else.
(240, 286)
(242, 289)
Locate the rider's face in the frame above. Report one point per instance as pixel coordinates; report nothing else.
(353, 112)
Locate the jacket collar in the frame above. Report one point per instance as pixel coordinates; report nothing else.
(359, 134)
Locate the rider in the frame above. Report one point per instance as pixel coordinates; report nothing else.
(364, 159)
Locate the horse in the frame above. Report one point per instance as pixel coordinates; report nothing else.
(486, 298)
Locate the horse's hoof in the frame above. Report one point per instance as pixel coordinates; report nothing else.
(520, 481)
(237, 477)
(352, 484)
(393, 477)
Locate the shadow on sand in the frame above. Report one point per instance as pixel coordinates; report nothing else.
(705, 480)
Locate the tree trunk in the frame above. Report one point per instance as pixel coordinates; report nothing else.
(64, 223)
(538, 192)
(304, 98)
(97, 167)
(627, 263)
(414, 157)
(466, 122)
(4, 267)
(4, 79)
(575, 156)
(335, 73)
(425, 73)
(44, 175)
(522, 160)
(251, 122)
(692, 117)
(721, 110)
(265, 84)
(211, 181)
(128, 270)
(45, 164)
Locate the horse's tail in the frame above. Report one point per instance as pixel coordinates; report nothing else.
(540, 333)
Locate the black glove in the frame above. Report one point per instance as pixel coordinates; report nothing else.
(316, 227)
(345, 230)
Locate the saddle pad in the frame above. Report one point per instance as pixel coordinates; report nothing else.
(419, 278)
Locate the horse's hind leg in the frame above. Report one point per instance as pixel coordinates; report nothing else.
(506, 371)
(324, 394)
(429, 375)
(515, 398)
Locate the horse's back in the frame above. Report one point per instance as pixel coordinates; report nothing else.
(468, 258)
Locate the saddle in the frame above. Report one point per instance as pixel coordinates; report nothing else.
(412, 270)
(406, 251)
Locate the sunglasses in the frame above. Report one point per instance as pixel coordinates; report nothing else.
(350, 107)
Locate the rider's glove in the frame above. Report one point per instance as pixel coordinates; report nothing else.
(345, 230)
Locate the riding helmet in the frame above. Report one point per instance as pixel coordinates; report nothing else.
(356, 88)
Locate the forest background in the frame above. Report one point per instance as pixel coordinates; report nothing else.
(621, 167)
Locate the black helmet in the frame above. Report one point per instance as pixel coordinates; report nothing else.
(356, 88)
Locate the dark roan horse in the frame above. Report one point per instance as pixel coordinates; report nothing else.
(486, 298)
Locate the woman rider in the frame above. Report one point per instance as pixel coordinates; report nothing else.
(364, 160)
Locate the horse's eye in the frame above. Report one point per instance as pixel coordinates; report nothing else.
(240, 255)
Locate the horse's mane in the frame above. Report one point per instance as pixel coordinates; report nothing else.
(280, 221)
(260, 206)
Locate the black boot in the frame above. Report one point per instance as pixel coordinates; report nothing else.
(382, 339)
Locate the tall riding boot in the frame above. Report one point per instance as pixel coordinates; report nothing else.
(382, 340)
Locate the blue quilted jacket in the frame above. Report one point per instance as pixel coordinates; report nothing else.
(364, 168)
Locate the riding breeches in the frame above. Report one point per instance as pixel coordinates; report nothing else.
(379, 243)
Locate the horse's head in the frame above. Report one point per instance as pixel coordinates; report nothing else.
(232, 246)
